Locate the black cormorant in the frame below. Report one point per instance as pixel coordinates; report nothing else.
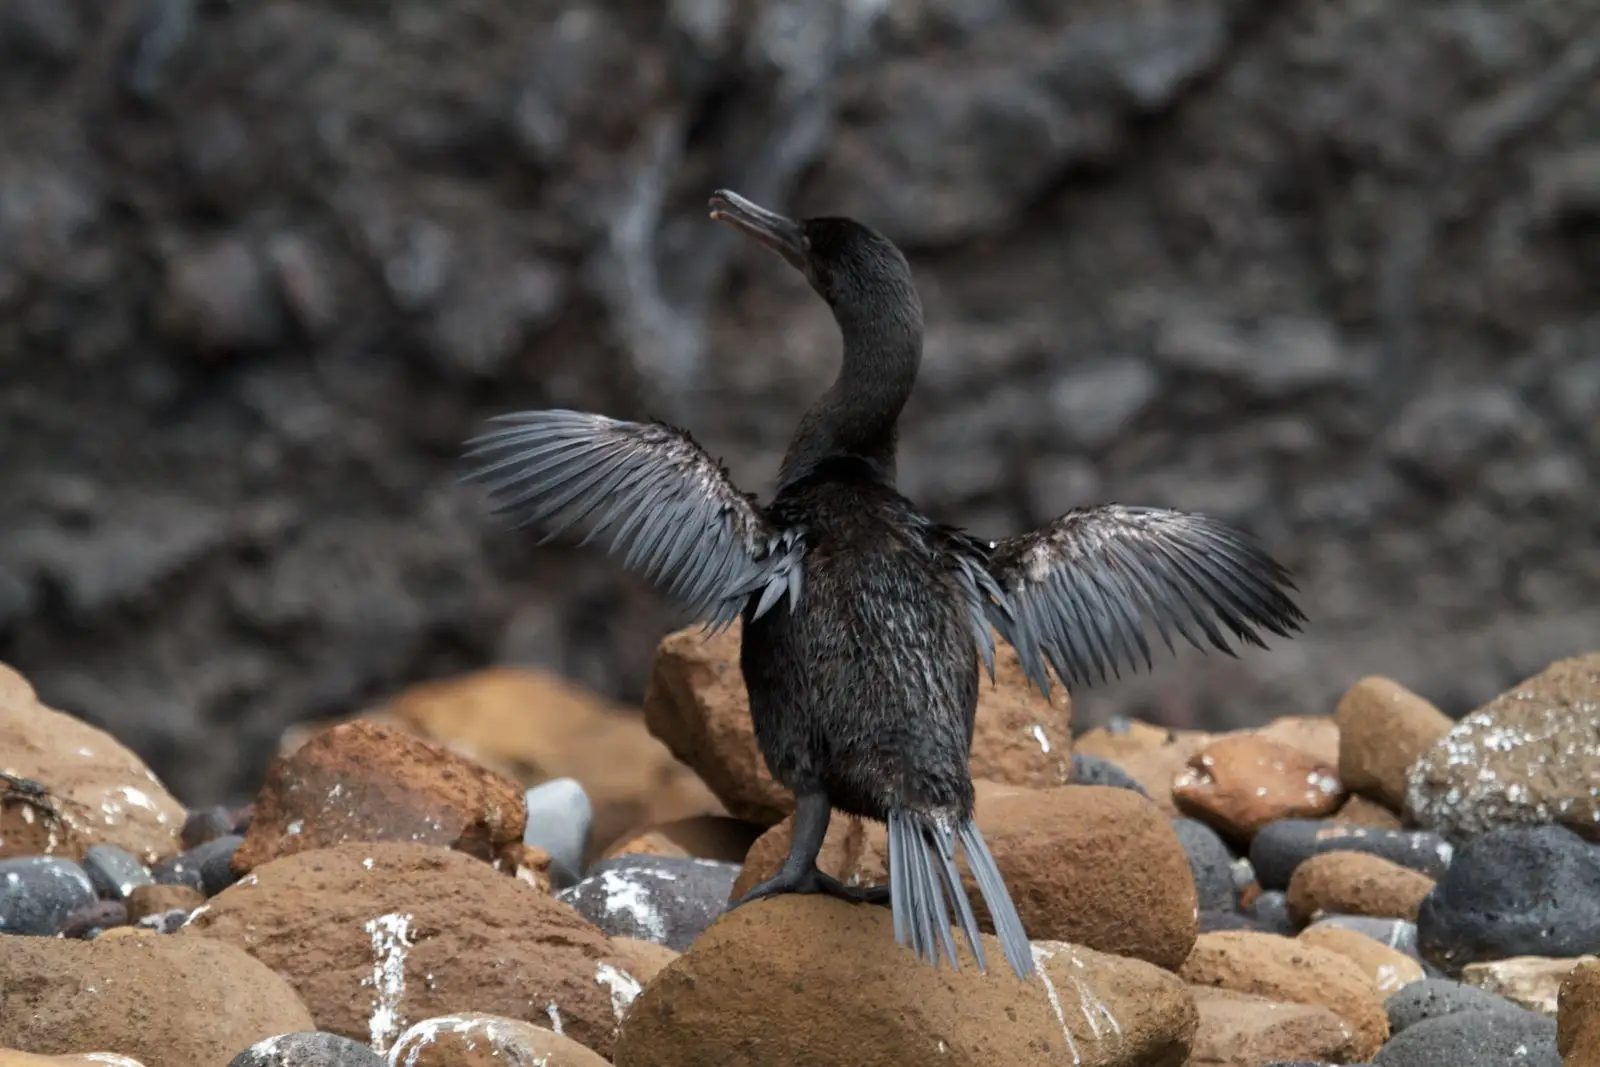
(864, 620)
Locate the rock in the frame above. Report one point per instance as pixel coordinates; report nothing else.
(472, 1038)
(114, 871)
(166, 922)
(1433, 998)
(1092, 770)
(1359, 811)
(1282, 846)
(206, 867)
(705, 837)
(1212, 921)
(1239, 1030)
(1383, 729)
(205, 825)
(697, 705)
(99, 791)
(308, 1049)
(1210, 862)
(1474, 1039)
(1355, 883)
(91, 920)
(1514, 892)
(559, 819)
(362, 781)
(535, 725)
(530, 864)
(1387, 968)
(661, 899)
(1151, 756)
(146, 900)
(442, 931)
(1578, 1022)
(1242, 782)
(1283, 969)
(166, 1001)
(1097, 866)
(641, 959)
(1315, 735)
(1243, 875)
(1397, 934)
(39, 893)
(1529, 757)
(823, 981)
(1530, 982)
(14, 1058)
(219, 300)
(1270, 909)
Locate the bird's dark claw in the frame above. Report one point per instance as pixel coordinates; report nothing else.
(814, 880)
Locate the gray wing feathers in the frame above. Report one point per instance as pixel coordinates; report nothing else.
(1080, 591)
(651, 495)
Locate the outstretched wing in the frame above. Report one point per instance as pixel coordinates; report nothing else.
(649, 493)
(1080, 591)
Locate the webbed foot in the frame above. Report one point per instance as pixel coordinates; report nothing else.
(813, 880)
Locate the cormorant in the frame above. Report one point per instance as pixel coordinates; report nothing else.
(864, 620)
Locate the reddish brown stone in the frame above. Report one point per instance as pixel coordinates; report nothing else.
(1241, 782)
(1359, 811)
(1383, 729)
(1355, 883)
(146, 900)
(361, 781)
(1387, 968)
(1152, 756)
(1240, 1030)
(1578, 1016)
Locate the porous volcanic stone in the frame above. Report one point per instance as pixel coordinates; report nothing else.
(1578, 1021)
(1383, 729)
(1093, 865)
(167, 1001)
(1432, 998)
(697, 705)
(1474, 1039)
(821, 981)
(441, 931)
(362, 781)
(1529, 757)
(1355, 883)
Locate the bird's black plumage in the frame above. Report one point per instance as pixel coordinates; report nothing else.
(865, 622)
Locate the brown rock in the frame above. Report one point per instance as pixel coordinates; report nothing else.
(473, 1039)
(1578, 1021)
(128, 931)
(705, 837)
(156, 899)
(1283, 969)
(166, 1001)
(1241, 782)
(1355, 883)
(444, 932)
(697, 705)
(1359, 811)
(361, 781)
(95, 790)
(1153, 757)
(1096, 866)
(1240, 1030)
(1532, 981)
(13, 1058)
(1383, 729)
(641, 959)
(530, 864)
(537, 725)
(1529, 757)
(1315, 735)
(1388, 968)
(808, 980)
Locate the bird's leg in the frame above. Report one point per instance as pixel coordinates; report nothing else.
(799, 873)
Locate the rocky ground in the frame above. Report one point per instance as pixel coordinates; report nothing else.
(1323, 267)
(503, 868)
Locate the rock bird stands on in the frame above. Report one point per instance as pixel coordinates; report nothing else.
(864, 619)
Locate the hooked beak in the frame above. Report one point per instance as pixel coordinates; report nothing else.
(778, 232)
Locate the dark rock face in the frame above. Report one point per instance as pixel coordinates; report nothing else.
(1474, 1039)
(1435, 997)
(664, 899)
(1283, 845)
(248, 313)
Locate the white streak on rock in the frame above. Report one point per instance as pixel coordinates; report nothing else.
(390, 941)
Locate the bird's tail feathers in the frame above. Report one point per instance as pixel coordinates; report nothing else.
(923, 872)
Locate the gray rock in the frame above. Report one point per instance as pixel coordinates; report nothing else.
(165, 922)
(1474, 1039)
(206, 824)
(89, 921)
(1398, 934)
(1243, 873)
(663, 899)
(307, 1049)
(1432, 998)
(560, 818)
(1211, 863)
(204, 868)
(1281, 846)
(114, 871)
(39, 893)
(1092, 770)
(1271, 910)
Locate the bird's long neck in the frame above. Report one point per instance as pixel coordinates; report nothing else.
(858, 415)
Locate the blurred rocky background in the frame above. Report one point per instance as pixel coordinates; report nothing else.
(1325, 268)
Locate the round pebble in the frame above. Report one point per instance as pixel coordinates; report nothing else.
(1092, 770)
(92, 920)
(560, 818)
(666, 900)
(307, 1049)
(1210, 862)
(1282, 846)
(114, 871)
(1433, 998)
(1514, 892)
(205, 868)
(39, 893)
(1474, 1039)
(206, 824)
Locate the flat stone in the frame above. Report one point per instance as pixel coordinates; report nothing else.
(1531, 982)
